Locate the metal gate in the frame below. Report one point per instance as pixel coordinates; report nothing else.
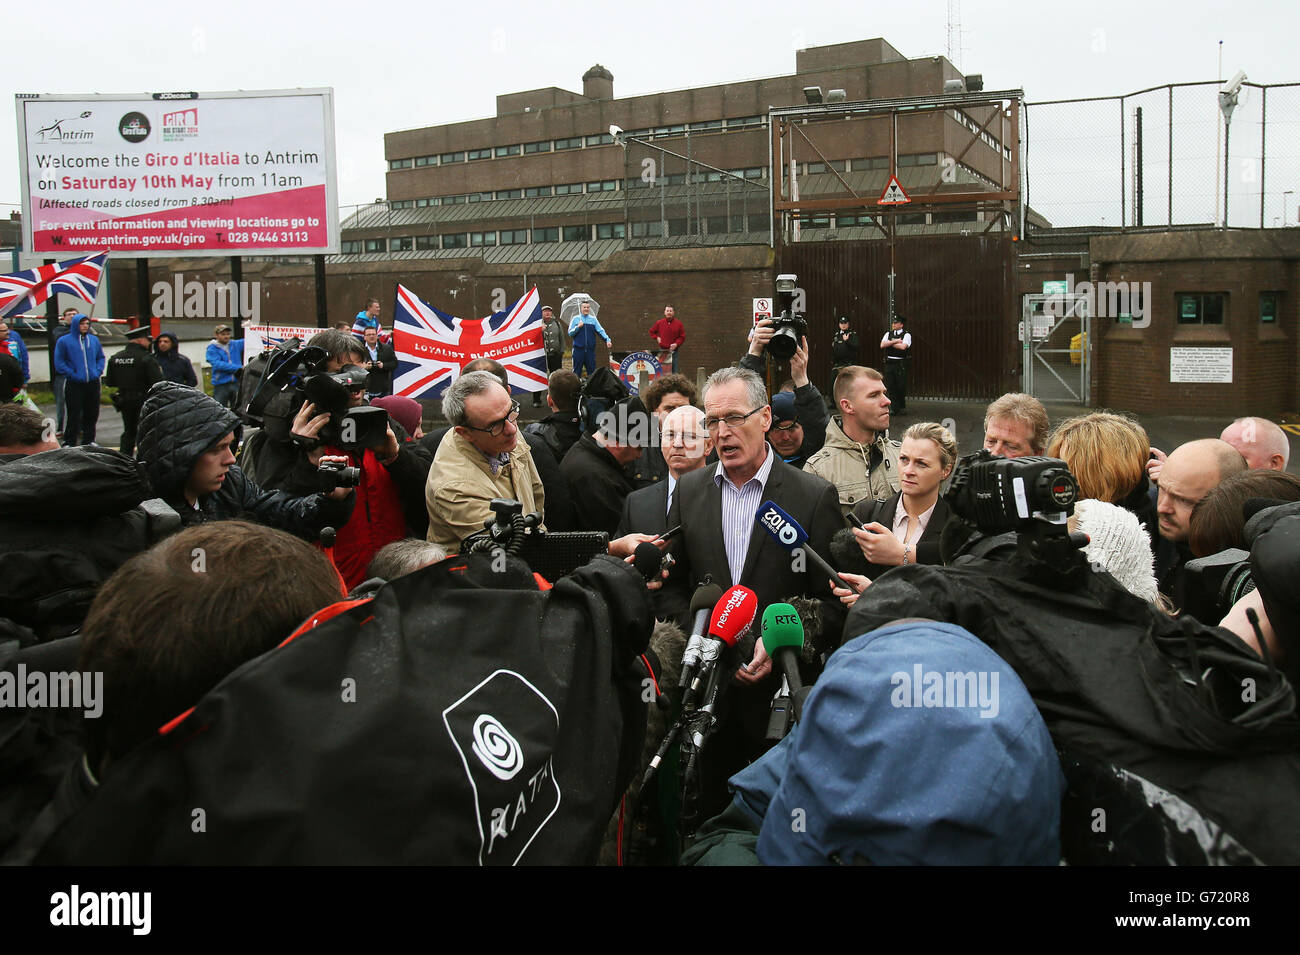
(1055, 333)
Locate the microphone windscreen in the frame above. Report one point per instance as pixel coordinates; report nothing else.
(705, 597)
(781, 628)
(647, 559)
(733, 614)
(846, 555)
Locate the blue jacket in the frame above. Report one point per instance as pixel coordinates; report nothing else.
(19, 351)
(892, 765)
(583, 329)
(79, 357)
(225, 360)
(362, 322)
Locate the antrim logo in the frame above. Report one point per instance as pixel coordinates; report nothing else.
(59, 131)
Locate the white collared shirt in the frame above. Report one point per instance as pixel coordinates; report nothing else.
(739, 507)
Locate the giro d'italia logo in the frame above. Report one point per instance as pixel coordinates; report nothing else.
(134, 127)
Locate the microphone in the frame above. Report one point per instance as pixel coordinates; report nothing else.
(792, 537)
(706, 595)
(648, 560)
(732, 616)
(783, 640)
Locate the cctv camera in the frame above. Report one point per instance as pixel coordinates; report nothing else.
(616, 132)
(1234, 84)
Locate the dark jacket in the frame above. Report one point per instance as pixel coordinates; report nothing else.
(884, 512)
(844, 352)
(811, 406)
(1141, 501)
(380, 381)
(599, 484)
(553, 339)
(177, 425)
(132, 371)
(645, 511)
(559, 430)
(175, 366)
(770, 571)
(650, 468)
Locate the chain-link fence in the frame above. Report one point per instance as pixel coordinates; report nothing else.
(1156, 158)
(674, 195)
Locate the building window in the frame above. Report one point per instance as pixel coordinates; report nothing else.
(421, 203)
(610, 230)
(550, 234)
(478, 154)
(455, 240)
(710, 124)
(604, 139)
(350, 246)
(479, 197)
(569, 189)
(676, 179)
(400, 244)
(1200, 308)
(510, 193)
(401, 163)
(541, 147)
(514, 237)
(533, 192)
(376, 245)
(677, 227)
(507, 150)
(454, 200)
(819, 167)
(426, 242)
(573, 143)
(915, 218)
(717, 224)
(426, 160)
(817, 222)
(402, 204)
(608, 185)
(479, 239)
(451, 157)
(576, 233)
(760, 222)
(644, 229)
(1270, 303)
(745, 121)
(968, 215)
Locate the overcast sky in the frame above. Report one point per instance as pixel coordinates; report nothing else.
(397, 65)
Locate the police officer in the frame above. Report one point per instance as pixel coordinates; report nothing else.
(897, 347)
(132, 371)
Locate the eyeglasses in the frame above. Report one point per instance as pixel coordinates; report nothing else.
(733, 420)
(681, 437)
(786, 426)
(497, 428)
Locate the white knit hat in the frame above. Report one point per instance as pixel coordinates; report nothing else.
(1119, 545)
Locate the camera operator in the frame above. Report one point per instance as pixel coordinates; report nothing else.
(1189, 473)
(808, 412)
(187, 447)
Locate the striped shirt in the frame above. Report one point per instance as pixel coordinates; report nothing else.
(739, 506)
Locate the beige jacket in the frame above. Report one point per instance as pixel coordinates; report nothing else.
(859, 472)
(461, 487)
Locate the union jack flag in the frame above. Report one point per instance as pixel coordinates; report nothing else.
(79, 277)
(432, 346)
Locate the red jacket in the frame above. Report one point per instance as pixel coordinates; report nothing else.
(668, 332)
(377, 518)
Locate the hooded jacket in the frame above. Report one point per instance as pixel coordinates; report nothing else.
(15, 346)
(859, 472)
(894, 763)
(79, 357)
(175, 366)
(177, 425)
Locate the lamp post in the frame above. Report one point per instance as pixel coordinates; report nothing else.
(1228, 103)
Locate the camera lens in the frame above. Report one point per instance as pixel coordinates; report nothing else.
(783, 344)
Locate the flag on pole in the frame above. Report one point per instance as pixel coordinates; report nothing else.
(432, 346)
(79, 277)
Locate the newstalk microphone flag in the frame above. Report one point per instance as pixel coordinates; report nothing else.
(79, 277)
(432, 347)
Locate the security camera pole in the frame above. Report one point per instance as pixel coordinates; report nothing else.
(1228, 103)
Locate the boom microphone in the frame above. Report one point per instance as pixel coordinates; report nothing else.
(787, 532)
(783, 641)
(705, 596)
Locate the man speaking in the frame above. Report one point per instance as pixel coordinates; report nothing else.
(716, 507)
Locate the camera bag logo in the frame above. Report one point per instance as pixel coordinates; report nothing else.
(505, 730)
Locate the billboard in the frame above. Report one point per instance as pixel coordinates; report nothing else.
(169, 174)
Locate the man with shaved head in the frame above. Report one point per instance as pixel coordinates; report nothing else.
(1262, 443)
(1189, 473)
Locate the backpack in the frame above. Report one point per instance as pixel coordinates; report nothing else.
(603, 390)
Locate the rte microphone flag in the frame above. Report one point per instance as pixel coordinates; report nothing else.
(79, 277)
